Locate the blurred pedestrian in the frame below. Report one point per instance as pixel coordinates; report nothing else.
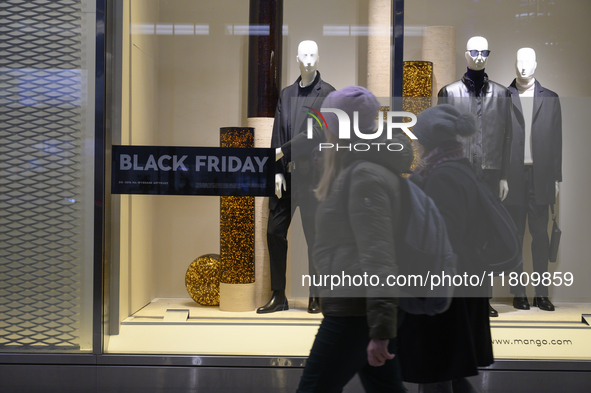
(356, 224)
(439, 352)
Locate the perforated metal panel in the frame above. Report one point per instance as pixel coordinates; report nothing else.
(40, 174)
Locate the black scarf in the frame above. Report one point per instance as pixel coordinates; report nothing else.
(451, 151)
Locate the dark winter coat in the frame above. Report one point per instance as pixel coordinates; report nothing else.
(355, 233)
(455, 343)
(546, 129)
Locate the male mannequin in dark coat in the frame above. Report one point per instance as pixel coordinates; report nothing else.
(536, 167)
(293, 152)
(490, 149)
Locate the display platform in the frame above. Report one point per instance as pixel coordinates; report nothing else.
(565, 313)
(181, 326)
(563, 334)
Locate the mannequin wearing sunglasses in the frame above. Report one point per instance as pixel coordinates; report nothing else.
(536, 167)
(489, 150)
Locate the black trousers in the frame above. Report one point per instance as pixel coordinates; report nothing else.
(298, 193)
(537, 218)
(492, 177)
(339, 352)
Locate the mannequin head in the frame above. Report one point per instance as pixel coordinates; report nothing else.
(526, 63)
(477, 60)
(307, 57)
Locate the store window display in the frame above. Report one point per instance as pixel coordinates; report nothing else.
(173, 98)
(536, 168)
(294, 151)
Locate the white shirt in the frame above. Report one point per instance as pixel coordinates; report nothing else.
(526, 96)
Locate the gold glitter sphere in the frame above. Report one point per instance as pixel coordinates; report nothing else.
(203, 280)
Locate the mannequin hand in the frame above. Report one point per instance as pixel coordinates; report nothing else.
(278, 154)
(377, 352)
(503, 189)
(280, 183)
(557, 189)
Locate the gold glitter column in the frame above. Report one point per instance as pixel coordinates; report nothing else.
(237, 236)
(417, 88)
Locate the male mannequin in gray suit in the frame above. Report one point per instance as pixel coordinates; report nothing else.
(294, 172)
(536, 168)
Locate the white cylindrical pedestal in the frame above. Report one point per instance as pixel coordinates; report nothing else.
(439, 47)
(378, 47)
(262, 292)
(237, 297)
(247, 297)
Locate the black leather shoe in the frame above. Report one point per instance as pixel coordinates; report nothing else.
(492, 312)
(520, 303)
(543, 303)
(314, 305)
(278, 302)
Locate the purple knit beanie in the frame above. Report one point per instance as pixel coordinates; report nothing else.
(352, 99)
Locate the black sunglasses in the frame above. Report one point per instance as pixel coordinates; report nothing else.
(475, 52)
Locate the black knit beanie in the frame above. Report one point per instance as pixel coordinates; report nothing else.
(442, 123)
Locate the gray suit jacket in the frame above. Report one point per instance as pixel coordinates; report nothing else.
(546, 129)
(289, 127)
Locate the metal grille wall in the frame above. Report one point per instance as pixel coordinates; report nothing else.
(40, 181)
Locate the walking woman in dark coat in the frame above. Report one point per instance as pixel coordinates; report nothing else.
(440, 351)
(356, 224)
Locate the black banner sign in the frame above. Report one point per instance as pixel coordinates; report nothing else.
(165, 170)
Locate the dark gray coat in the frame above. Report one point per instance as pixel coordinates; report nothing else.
(289, 133)
(546, 132)
(289, 127)
(355, 233)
